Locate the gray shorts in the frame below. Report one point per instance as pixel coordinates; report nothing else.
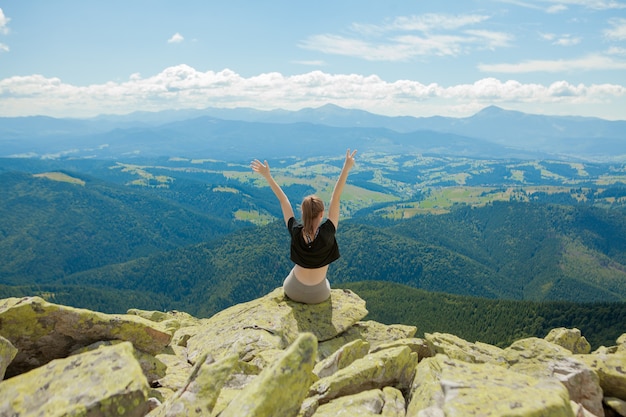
(302, 293)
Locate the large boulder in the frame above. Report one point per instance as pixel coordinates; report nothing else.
(570, 339)
(103, 382)
(42, 331)
(611, 368)
(280, 389)
(374, 333)
(7, 353)
(387, 402)
(271, 322)
(457, 348)
(542, 359)
(177, 371)
(341, 358)
(388, 367)
(621, 342)
(199, 394)
(453, 388)
(420, 346)
(170, 320)
(152, 368)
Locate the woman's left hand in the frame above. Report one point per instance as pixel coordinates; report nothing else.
(260, 167)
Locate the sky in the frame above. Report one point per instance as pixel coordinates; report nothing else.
(80, 58)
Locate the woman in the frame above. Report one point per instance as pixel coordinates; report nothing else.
(313, 244)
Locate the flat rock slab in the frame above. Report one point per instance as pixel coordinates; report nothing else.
(450, 387)
(42, 331)
(272, 322)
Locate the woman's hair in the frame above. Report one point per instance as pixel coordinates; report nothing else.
(311, 207)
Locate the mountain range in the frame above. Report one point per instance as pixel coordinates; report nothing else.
(242, 133)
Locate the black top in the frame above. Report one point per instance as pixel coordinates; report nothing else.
(321, 251)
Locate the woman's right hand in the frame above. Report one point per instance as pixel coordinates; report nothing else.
(349, 162)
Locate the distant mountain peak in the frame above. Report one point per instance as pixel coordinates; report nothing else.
(491, 109)
(494, 111)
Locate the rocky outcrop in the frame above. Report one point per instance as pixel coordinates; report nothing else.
(275, 357)
(42, 331)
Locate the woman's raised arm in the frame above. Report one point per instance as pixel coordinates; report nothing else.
(263, 168)
(334, 208)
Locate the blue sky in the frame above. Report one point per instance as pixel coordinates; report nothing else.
(77, 58)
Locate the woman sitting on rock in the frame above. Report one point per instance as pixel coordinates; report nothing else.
(313, 244)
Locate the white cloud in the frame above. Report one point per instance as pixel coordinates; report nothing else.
(4, 23)
(491, 39)
(4, 30)
(588, 63)
(548, 36)
(616, 50)
(404, 38)
(567, 40)
(433, 22)
(557, 6)
(617, 31)
(311, 63)
(339, 45)
(592, 4)
(184, 87)
(526, 4)
(561, 40)
(430, 22)
(176, 38)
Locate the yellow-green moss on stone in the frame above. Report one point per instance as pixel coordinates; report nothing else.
(104, 382)
(200, 393)
(389, 367)
(454, 388)
(280, 389)
(43, 331)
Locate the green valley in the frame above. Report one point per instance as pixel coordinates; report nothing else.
(530, 245)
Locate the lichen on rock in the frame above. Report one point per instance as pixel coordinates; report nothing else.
(273, 322)
(458, 388)
(101, 382)
(42, 331)
(274, 357)
(7, 354)
(279, 389)
(570, 339)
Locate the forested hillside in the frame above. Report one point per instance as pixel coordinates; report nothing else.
(112, 236)
(82, 232)
(498, 322)
(551, 252)
(54, 228)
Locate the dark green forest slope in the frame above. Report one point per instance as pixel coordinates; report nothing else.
(551, 252)
(51, 229)
(531, 253)
(498, 322)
